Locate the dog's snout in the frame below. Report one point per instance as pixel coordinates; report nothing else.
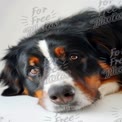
(61, 94)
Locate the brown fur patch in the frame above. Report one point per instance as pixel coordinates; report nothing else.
(91, 87)
(26, 92)
(60, 52)
(33, 60)
(108, 68)
(120, 90)
(103, 65)
(41, 95)
(93, 81)
(38, 94)
(111, 79)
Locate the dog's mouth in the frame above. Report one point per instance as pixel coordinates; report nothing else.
(67, 97)
(63, 108)
(68, 107)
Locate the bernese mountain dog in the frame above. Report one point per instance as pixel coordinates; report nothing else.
(70, 65)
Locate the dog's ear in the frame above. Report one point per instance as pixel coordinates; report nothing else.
(10, 75)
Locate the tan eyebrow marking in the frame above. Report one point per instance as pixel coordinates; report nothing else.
(26, 92)
(33, 60)
(59, 51)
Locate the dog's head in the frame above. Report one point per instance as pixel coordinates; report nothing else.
(70, 74)
(63, 72)
(60, 66)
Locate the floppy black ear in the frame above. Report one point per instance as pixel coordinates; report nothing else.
(10, 75)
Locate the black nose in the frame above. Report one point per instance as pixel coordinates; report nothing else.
(61, 94)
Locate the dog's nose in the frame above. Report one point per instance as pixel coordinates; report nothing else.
(61, 94)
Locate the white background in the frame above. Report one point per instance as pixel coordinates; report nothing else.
(16, 23)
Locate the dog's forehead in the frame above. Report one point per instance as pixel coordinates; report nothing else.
(47, 47)
(67, 43)
(45, 50)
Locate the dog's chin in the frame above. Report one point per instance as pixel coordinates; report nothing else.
(80, 101)
(66, 108)
(52, 107)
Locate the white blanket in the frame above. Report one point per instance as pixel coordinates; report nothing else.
(26, 109)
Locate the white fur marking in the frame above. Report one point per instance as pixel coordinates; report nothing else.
(59, 78)
(108, 88)
(55, 75)
(44, 48)
(2, 87)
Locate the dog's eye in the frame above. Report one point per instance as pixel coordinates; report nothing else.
(73, 57)
(34, 71)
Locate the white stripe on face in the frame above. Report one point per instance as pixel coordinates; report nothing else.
(58, 77)
(55, 75)
(44, 49)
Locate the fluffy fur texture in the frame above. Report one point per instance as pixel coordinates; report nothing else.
(70, 65)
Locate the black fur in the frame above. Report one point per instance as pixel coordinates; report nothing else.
(76, 32)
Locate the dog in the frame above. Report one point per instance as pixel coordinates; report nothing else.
(70, 65)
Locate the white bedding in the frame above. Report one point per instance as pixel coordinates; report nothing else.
(26, 109)
(16, 22)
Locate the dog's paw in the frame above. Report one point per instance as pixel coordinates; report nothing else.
(108, 88)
